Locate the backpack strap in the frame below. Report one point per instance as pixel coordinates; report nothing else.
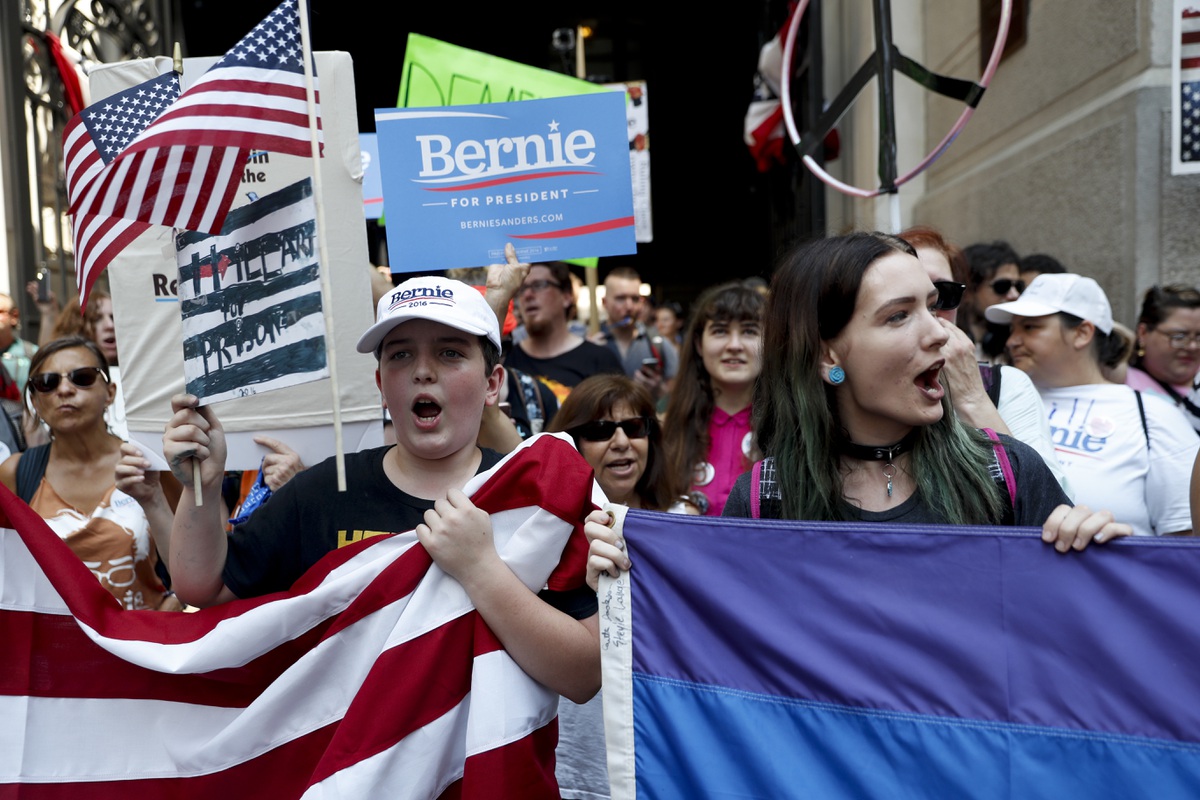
(1142, 414)
(1006, 469)
(755, 488)
(11, 418)
(990, 375)
(1178, 399)
(535, 410)
(30, 470)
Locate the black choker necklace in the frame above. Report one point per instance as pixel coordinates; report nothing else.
(886, 453)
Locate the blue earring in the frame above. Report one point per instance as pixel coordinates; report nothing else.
(837, 375)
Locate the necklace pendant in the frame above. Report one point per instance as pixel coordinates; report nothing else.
(889, 471)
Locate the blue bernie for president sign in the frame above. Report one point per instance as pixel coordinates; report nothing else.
(551, 176)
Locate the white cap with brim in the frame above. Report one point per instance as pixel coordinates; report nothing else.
(443, 300)
(1050, 294)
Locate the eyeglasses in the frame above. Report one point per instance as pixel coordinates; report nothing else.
(1002, 285)
(83, 377)
(1180, 339)
(538, 286)
(604, 429)
(950, 294)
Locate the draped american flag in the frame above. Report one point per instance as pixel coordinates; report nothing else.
(92, 139)
(1189, 85)
(184, 169)
(372, 676)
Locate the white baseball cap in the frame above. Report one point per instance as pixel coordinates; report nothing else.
(443, 300)
(1050, 294)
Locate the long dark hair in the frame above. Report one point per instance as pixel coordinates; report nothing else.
(690, 409)
(595, 397)
(813, 296)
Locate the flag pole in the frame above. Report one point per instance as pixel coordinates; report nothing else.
(326, 285)
(197, 485)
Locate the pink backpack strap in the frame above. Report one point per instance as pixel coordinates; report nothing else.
(1010, 480)
(755, 490)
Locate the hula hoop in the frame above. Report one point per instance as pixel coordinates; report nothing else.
(810, 162)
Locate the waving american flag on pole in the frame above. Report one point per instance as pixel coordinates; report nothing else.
(184, 168)
(373, 676)
(92, 139)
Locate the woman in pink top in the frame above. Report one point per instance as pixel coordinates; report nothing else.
(707, 433)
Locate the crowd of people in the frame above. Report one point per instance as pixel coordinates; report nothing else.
(878, 378)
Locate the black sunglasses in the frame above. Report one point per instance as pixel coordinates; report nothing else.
(950, 294)
(603, 429)
(83, 377)
(1002, 285)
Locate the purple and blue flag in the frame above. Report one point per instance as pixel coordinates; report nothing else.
(756, 659)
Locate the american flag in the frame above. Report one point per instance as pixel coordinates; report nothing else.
(1189, 85)
(92, 139)
(184, 169)
(372, 677)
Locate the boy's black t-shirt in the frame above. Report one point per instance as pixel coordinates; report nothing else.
(308, 517)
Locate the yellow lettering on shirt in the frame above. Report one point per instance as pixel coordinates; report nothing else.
(350, 537)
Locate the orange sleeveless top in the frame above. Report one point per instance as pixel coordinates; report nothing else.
(114, 542)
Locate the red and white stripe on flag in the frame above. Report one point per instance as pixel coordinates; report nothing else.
(1189, 50)
(98, 240)
(372, 677)
(184, 169)
(115, 121)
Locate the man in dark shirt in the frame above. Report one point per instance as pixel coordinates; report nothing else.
(551, 353)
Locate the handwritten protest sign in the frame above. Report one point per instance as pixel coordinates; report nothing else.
(250, 299)
(551, 176)
(437, 73)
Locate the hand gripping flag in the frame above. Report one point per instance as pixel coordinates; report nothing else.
(371, 677)
(184, 168)
(756, 659)
(92, 139)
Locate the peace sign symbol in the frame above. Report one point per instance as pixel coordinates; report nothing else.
(881, 64)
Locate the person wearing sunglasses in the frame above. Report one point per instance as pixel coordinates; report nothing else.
(85, 481)
(993, 396)
(611, 418)
(1127, 451)
(994, 277)
(1167, 358)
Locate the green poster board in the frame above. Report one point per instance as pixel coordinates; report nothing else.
(440, 74)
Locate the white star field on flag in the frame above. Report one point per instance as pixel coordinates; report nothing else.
(273, 43)
(122, 117)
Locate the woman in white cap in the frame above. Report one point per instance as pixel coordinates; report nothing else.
(1126, 451)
